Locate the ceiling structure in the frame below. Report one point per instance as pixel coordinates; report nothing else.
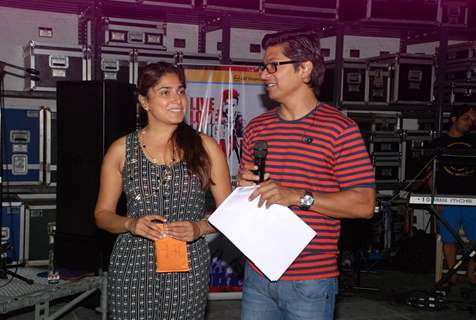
(264, 15)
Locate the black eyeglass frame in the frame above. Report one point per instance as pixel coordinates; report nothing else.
(275, 64)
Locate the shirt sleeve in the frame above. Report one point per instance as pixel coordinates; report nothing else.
(246, 149)
(352, 165)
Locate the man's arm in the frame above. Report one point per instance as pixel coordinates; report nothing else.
(355, 203)
(358, 203)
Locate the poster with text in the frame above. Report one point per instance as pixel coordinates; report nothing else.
(222, 101)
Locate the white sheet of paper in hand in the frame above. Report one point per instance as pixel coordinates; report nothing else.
(271, 238)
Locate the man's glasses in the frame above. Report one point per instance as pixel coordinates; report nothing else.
(272, 67)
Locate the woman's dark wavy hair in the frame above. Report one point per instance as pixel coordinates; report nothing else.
(301, 45)
(185, 138)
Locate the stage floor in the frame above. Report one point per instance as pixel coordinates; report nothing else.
(352, 304)
(17, 295)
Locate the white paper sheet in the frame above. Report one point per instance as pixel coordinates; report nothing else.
(271, 238)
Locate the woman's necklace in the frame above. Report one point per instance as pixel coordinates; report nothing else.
(154, 160)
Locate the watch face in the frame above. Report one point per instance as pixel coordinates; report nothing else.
(307, 200)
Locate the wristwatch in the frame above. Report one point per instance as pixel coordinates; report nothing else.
(306, 201)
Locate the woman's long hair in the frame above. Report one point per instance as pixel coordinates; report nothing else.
(187, 141)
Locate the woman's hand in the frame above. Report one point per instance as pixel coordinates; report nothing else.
(184, 230)
(145, 226)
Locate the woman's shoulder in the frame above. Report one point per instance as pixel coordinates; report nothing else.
(207, 140)
(118, 147)
(209, 143)
(120, 142)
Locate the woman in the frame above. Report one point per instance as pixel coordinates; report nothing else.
(164, 170)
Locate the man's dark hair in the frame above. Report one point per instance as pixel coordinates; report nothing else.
(301, 45)
(458, 111)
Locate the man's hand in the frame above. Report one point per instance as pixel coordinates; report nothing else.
(271, 192)
(246, 177)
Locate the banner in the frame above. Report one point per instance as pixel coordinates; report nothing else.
(222, 100)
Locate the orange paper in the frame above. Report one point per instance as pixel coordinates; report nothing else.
(171, 255)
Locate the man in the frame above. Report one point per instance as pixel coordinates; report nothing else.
(317, 165)
(456, 178)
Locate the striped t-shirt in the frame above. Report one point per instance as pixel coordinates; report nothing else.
(321, 152)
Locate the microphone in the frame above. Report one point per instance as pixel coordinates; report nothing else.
(259, 151)
(32, 71)
(23, 76)
(27, 70)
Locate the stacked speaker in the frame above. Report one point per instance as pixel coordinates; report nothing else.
(91, 115)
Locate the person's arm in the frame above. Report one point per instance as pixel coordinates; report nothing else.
(435, 144)
(220, 176)
(110, 190)
(221, 188)
(356, 201)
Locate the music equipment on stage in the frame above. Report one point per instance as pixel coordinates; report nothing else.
(432, 299)
(447, 200)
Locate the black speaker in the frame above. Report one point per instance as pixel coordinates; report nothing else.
(90, 116)
(472, 14)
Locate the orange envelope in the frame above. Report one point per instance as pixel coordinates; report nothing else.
(171, 254)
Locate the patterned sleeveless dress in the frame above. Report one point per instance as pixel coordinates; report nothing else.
(135, 290)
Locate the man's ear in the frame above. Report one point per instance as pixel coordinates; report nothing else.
(306, 70)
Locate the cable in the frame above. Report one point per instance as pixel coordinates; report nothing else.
(414, 178)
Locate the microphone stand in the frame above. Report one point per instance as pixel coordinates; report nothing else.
(3, 248)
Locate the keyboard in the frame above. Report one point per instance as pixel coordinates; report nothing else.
(449, 200)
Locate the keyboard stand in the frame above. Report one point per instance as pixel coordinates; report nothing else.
(434, 298)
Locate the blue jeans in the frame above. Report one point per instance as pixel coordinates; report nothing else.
(458, 216)
(287, 299)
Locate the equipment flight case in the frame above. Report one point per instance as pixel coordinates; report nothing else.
(412, 77)
(56, 62)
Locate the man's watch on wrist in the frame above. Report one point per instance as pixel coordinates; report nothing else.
(306, 201)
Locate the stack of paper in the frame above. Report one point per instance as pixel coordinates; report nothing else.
(271, 238)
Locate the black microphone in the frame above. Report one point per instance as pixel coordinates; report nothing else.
(32, 71)
(23, 76)
(27, 70)
(259, 151)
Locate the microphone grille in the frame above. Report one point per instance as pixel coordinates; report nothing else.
(260, 149)
(261, 145)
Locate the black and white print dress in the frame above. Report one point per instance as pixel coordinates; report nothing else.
(135, 290)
